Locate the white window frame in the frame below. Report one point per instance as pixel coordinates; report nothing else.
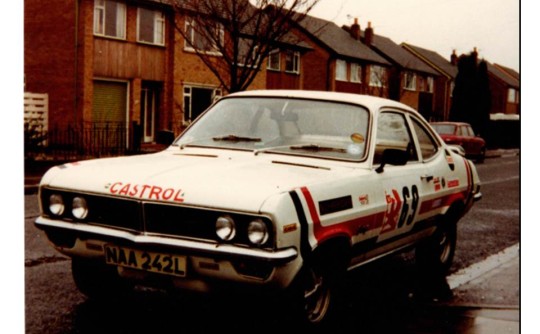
(356, 73)
(430, 84)
(192, 32)
(295, 61)
(409, 81)
(274, 60)
(376, 75)
(158, 27)
(512, 94)
(100, 21)
(341, 70)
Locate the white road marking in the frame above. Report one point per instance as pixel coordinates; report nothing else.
(476, 270)
(511, 178)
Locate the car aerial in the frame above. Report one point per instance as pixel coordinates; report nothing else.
(268, 190)
(462, 134)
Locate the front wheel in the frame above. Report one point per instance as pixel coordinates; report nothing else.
(316, 296)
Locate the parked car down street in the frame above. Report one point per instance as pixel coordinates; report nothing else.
(268, 190)
(462, 134)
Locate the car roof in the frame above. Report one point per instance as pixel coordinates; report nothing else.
(373, 103)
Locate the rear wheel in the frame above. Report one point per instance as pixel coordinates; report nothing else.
(97, 280)
(437, 253)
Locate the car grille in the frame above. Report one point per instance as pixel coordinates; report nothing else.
(156, 218)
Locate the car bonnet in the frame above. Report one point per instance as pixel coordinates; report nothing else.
(214, 178)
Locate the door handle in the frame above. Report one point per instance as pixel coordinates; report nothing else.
(427, 178)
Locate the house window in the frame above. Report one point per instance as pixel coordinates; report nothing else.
(197, 100)
(512, 95)
(409, 81)
(341, 70)
(430, 83)
(151, 26)
(110, 19)
(356, 72)
(377, 76)
(292, 61)
(204, 39)
(274, 61)
(248, 53)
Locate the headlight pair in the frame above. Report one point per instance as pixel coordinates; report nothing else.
(79, 207)
(257, 231)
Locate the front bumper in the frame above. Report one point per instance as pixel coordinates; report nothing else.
(207, 259)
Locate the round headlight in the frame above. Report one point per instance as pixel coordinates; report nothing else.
(225, 228)
(56, 204)
(257, 232)
(79, 208)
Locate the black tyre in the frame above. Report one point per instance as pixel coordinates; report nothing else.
(317, 296)
(436, 254)
(97, 280)
(318, 293)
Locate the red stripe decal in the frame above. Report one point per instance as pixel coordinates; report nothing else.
(348, 228)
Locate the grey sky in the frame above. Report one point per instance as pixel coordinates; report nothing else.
(492, 26)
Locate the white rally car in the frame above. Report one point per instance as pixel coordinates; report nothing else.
(282, 190)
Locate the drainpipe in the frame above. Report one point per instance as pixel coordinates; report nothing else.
(75, 102)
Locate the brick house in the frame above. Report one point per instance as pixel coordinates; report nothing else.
(285, 66)
(119, 63)
(410, 80)
(443, 83)
(338, 61)
(504, 84)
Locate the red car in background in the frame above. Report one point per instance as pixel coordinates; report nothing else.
(462, 134)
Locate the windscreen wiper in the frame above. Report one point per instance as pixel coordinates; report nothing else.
(235, 138)
(318, 148)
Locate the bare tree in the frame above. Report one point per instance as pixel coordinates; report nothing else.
(233, 38)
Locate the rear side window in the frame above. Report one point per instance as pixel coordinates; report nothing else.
(428, 145)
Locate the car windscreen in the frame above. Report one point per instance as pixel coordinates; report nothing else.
(304, 127)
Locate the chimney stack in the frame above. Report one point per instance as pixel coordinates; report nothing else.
(475, 55)
(355, 30)
(368, 34)
(454, 58)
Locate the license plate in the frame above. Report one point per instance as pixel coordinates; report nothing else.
(147, 261)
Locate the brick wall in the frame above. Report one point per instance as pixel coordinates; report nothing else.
(50, 53)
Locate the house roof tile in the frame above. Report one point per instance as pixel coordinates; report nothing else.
(436, 60)
(501, 75)
(340, 41)
(399, 55)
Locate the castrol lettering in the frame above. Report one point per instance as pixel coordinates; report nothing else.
(146, 191)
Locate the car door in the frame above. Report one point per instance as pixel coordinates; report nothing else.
(401, 187)
(437, 167)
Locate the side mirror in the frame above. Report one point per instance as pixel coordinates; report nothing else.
(394, 157)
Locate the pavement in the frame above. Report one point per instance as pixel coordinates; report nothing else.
(487, 304)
